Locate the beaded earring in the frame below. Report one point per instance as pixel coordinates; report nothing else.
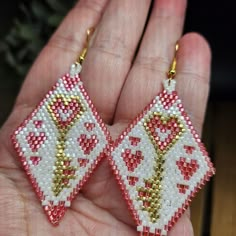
(61, 142)
(160, 162)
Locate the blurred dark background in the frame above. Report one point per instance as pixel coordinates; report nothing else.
(216, 21)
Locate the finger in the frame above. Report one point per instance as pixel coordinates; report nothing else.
(110, 56)
(193, 76)
(61, 51)
(164, 29)
(102, 190)
(54, 60)
(183, 227)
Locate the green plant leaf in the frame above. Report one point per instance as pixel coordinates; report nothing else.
(22, 69)
(34, 47)
(3, 47)
(11, 40)
(55, 20)
(25, 10)
(40, 10)
(26, 32)
(57, 6)
(10, 59)
(22, 53)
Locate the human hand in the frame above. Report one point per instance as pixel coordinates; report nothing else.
(120, 87)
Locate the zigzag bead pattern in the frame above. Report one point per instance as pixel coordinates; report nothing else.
(174, 165)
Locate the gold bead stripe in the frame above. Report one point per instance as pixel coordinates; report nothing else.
(151, 194)
(63, 162)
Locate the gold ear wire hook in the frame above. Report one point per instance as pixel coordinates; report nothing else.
(172, 72)
(85, 49)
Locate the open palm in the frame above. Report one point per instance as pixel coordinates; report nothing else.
(120, 86)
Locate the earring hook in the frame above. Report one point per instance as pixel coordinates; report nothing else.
(172, 72)
(85, 49)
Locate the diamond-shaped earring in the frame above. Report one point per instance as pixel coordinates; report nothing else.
(160, 162)
(61, 142)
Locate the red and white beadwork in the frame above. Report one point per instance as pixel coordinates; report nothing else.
(160, 163)
(61, 143)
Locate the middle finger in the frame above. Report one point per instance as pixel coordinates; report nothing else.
(111, 53)
(153, 60)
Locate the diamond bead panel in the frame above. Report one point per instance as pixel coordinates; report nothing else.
(168, 164)
(60, 144)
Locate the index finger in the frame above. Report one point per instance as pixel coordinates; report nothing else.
(61, 51)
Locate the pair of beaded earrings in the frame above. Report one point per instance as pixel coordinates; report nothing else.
(158, 161)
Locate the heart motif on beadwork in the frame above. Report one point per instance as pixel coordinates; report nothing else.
(89, 126)
(35, 160)
(132, 160)
(189, 149)
(35, 141)
(134, 140)
(87, 144)
(64, 110)
(132, 180)
(182, 188)
(38, 123)
(83, 162)
(164, 131)
(186, 168)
